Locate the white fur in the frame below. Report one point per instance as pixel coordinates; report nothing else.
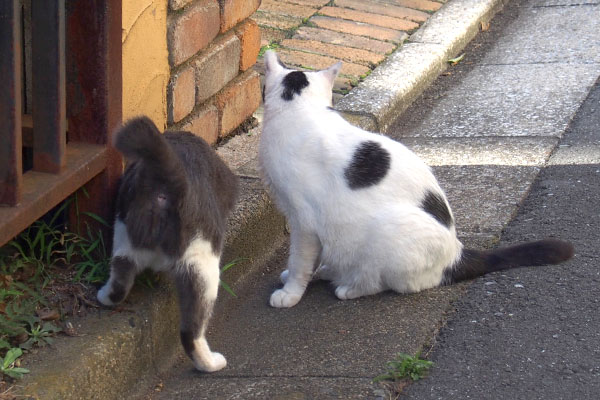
(143, 258)
(199, 254)
(200, 257)
(370, 239)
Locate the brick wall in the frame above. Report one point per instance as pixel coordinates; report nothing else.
(212, 47)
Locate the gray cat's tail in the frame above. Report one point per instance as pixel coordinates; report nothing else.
(139, 140)
(474, 263)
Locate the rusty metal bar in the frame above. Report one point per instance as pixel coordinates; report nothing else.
(48, 74)
(42, 191)
(10, 103)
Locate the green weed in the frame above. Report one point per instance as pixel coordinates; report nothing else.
(39, 333)
(36, 258)
(7, 364)
(405, 366)
(225, 268)
(270, 46)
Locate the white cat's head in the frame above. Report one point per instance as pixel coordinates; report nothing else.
(284, 85)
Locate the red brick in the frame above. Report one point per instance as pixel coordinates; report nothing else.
(177, 4)
(249, 35)
(358, 56)
(238, 101)
(315, 61)
(235, 11)
(368, 18)
(384, 9)
(295, 10)
(361, 29)
(182, 94)
(216, 66)
(205, 124)
(192, 30)
(424, 5)
(344, 39)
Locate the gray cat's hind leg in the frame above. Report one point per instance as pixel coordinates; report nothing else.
(123, 268)
(122, 276)
(197, 281)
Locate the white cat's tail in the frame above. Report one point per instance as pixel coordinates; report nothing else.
(474, 263)
(140, 140)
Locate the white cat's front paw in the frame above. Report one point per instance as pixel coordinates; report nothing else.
(284, 276)
(282, 299)
(103, 296)
(217, 363)
(345, 293)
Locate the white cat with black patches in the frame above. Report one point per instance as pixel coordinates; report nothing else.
(171, 211)
(364, 211)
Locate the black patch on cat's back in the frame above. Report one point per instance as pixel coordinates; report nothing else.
(370, 164)
(435, 205)
(293, 83)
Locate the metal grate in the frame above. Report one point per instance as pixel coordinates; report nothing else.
(84, 37)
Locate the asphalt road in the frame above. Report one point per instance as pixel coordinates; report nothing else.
(535, 333)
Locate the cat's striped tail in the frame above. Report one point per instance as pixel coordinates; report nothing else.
(474, 263)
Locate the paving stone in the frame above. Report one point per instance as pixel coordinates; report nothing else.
(357, 56)
(344, 39)
(359, 28)
(369, 18)
(269, 35)
(315, 61)
(280, 8)
(385, 9)
(424, 5)
(312, 3)
(284, 22)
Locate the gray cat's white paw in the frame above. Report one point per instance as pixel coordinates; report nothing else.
(103, 296)
(284, 276)
(217, 362)
(282, 299)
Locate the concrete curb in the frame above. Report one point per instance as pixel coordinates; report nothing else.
(119, 351)
(397, 82)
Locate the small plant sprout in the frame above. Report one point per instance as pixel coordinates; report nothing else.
(7, 364)
(225, 268)
(405, 366)
(456, 60)
(39, 334)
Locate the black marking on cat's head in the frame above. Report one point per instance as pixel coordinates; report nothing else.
(435, 205)
(293, 83)
(370, 164)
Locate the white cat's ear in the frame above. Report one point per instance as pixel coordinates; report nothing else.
(272, 63)
(332, 72)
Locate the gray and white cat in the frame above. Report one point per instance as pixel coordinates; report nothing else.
(363, 210)
(171, 211)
